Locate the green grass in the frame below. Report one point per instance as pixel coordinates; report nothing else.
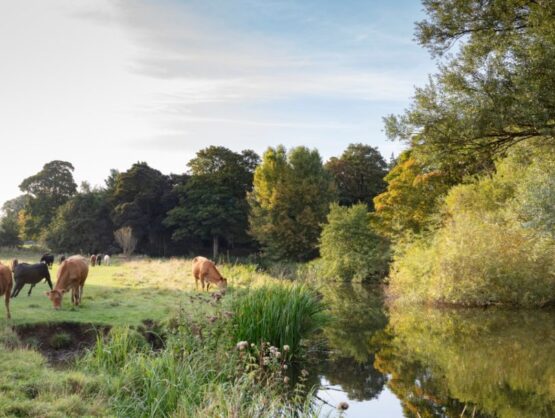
(28, 387)
(278, 314)
(198, 373)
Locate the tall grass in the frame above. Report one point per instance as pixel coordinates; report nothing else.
(190, 377)
(280, 314)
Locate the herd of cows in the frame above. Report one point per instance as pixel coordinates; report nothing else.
(72, 274)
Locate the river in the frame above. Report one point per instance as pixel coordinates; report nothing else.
(429, 362)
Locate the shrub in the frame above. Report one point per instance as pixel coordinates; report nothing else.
(280, 314)
(496, 245)
(349, 247)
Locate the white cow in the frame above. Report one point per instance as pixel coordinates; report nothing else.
(106, 260)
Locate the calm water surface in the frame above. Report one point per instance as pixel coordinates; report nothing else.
(424, 362)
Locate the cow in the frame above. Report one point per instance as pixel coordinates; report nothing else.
(206, 271)
(99, 259)
(47, 259)
(6, 286)
(32, 274)
(107, 260)
(71, 276)
(93, 260)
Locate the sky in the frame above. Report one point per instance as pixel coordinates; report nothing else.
(106, 83)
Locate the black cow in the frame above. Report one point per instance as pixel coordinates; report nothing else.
(47, 259)
(99, 259)
(29, 274)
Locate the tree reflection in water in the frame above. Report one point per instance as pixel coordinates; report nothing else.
(439, 362)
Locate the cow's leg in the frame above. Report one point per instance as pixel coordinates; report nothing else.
(196, 283)
(80, 293)
(17, 289)
(31, 288)
(207, 286)
(7, 302)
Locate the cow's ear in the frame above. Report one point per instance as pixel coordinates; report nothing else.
(65, 290)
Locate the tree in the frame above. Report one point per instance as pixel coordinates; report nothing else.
(359, 174)
(140, 199)
(350, 248)
(126, 240)
(412, 198)
(82, 225)
(494, 93)
(212, 203)
(289, 202)
(9, 223)
(46, 191)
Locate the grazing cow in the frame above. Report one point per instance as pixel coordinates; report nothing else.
(99, 259)
(107, 260)
(62, 258)
(206, 271)
(93, 260)
(6, 286)
(71, 276)
(24, 273)
(47, 259)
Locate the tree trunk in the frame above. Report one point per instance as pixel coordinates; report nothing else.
(215, 248)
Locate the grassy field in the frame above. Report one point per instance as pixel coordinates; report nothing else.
(125, 293)
(128, 293)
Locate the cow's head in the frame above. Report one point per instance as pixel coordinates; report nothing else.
(222, 284)
(56, 297)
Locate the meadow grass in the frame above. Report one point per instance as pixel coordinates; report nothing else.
(198, 372)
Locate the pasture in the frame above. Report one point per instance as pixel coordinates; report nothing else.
(137, 294)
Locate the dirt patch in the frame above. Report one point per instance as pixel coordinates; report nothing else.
(60, 342)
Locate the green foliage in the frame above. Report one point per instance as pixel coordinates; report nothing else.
(279, 314)
(358, 174)
(488, 251)
(46, 191)
(412, 199)
(9, 231)
(212, 203)
(495, 91)
(349, 247)
(289, 202)
(141, 198)
(82, 225)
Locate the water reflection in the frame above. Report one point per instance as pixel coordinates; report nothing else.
(438, 363)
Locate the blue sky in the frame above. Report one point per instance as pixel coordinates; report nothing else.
(105, 83)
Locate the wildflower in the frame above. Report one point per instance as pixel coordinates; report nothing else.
(304, 372)
(284, 367)
(343, 406)
(286, 380)
(241, 345)
(277, 354)
(266, 361)
(286, 348)
(253, 345)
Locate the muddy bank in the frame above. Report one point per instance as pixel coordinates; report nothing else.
(60, 342)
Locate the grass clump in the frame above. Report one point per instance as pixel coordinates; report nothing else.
(60, 340)
(279, 314)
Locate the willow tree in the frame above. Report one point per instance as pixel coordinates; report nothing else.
(289, 202)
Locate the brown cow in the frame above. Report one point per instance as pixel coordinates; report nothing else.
(206, 271)
(6, 286)
(93, 260)
(71, 275)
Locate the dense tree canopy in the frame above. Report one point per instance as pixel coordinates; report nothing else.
(141, 198)
(212, 203)
(82, 225)
(289, 202)
(46, 191)
(358, 174)
(495, 92)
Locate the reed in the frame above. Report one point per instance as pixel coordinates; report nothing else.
(281, 314)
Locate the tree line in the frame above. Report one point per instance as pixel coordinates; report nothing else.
(226, 200)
